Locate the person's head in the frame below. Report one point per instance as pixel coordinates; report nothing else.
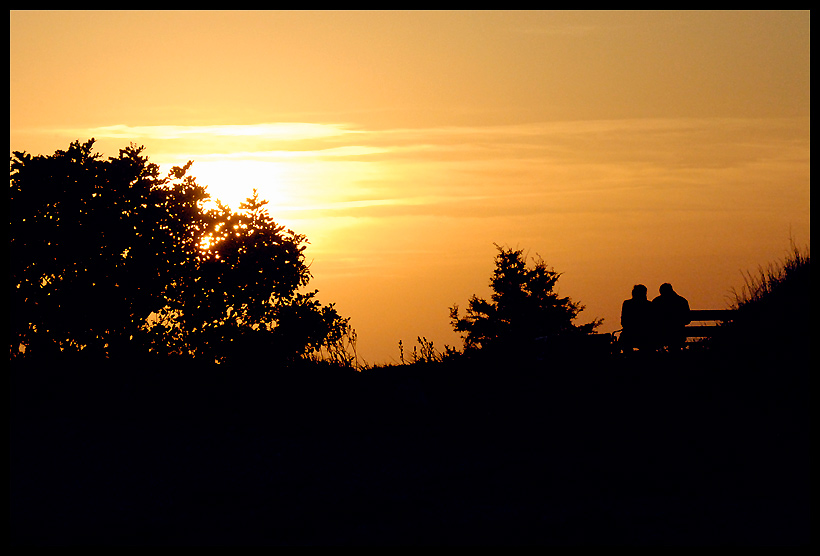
(639, 291)
(666, 289)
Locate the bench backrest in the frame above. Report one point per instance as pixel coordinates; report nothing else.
(722, 315)
(699, 315)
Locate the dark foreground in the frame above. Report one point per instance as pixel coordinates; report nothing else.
(663, 451)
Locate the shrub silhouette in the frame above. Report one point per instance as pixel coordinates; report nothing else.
(524, 306)
(108, 257)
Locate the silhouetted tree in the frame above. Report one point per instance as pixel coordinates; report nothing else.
(94, 245)
(244, 300)
(107, 255)
(523, 306)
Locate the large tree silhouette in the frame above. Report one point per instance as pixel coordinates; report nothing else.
(524, 305)
(110, 257)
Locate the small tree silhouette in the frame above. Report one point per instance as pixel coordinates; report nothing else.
(523, 306)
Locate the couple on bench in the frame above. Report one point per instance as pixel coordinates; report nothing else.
(654, 325)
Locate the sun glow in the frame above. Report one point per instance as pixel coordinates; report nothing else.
(623, 147)
(232, 181)
(298, 167)
(310, 192)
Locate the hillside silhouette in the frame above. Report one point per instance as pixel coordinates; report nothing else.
(709, 446)
(172, 384)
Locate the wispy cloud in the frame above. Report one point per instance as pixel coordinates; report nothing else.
(280, 155)
(340, 170)
(287, 131)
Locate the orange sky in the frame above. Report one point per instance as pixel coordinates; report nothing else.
(622, 147)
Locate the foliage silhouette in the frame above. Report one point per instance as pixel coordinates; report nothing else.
(425, 352)
(772, 308)
(524, 306)
(94, 245)
(109, 258)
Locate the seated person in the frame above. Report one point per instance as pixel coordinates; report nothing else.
(636, 321)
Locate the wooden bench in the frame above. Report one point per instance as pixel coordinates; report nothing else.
(697, 327)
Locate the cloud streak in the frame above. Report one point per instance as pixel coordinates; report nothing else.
(332, 170)
(280, 155)
(280, 131)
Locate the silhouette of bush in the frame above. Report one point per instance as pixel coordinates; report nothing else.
(109, 258)
(524, 306)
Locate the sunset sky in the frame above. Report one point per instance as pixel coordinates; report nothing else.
(621, 147)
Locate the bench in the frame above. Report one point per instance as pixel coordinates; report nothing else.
(698, 317)
(703, 323)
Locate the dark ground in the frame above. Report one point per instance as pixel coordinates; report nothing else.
(698, 450)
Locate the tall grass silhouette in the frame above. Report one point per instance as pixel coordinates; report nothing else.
(773, 310)
(774, 278)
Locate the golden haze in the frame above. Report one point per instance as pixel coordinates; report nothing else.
(622, 147)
